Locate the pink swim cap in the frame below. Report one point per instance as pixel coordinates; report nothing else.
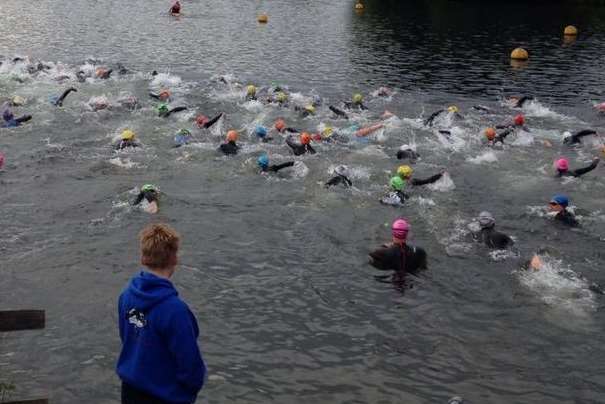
(400, 229)
(1, 160)
(601, 106)
(562, 164)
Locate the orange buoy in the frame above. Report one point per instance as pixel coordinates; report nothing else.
(519, 54)
(570, 30)
(263, 18)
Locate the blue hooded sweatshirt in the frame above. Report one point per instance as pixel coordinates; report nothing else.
(160, 355)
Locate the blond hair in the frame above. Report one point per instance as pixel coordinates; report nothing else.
(159, 245)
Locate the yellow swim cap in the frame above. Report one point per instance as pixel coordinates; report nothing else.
(251, 90)
(282, 97)
(127, 135)
(452, 109)
(310, 109)
(327, 132)
(404, 171)
(357, 98)
(17, 101)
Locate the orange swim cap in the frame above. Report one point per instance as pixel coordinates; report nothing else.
(490, 133)
(280, 125)
(305, 138)
(231, 136)
(164, 95)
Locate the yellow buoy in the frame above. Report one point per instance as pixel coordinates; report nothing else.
(519, 54)
(358, 6)
(570, 30)
(263, 18)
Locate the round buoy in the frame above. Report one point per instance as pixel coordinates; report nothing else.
(570, 30)
(263, 18)
(519, 54)
(358, 6)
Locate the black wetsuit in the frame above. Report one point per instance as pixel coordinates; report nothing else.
(212, 121)
(407, 154)
(300, 149)
(229, 148)
(172, 111)
(59, 101)
(123, 144)
(431, 118)
(150, 196)
(302, 111)
(338, 112)
(401, 259)
(575, 139)
(579, 171)
(14, 122)
(156, 96)
(276, 167)
(339, 179)
(429, 180)
(501, 136)
(400, 197)
(355, 106)
(567, 218)
(494, 239)
(481, 108)
(521, 101)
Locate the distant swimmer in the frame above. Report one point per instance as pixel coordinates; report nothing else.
(306, 111)
(262, 133)
(562, 167)
(230, 147)
(183, 137)
(600, 107)
(127, 139)
(384, 92)
(303, 147)
(251, 93)
(405, 173)
(128, 101)
(1, 161)
(407, 152)
(481, 108)
(570, 139)
(163, 95)
(494, 138)
(396, 196)
(278, 97)
(356, 103)
(175, 9)
(9, 118)
(203, 122)
(518, 122)
(489, 235)
(398, 255)
(558, 205)
(17, 101)
(519, 102)
(58, 100)
(330, 135)
(341, 177)
(151, 194)
(265, 167)
(165, 112)
(338, 112)
(452, 111)
(103, 73)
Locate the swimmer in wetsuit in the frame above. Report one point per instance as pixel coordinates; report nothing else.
(338, 112)
(230, 147)
(398, 256)
(494, 138)
(303, 147)
(182, 138)
(489, 235)
(518, 102)
(163, 95)
(395, 197)
(175, 9)
(9, 118)
(58, 100)
(265, 167)
(452, 109)
(559, 204)
(306, 111)
(405, 173)
(251, 93)
(127, 139)
(148, 192)
(341, 177)
(562, 167)
(356, 103)
(165, 112)
(570, 139)
(203, 122)
(407, 152)
(517, 123)
(261, 132)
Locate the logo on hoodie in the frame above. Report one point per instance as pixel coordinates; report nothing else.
(136, 318)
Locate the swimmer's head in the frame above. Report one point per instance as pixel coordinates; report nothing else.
(260, 131)
(148, 188)
(280, 125)
(452, 109)
(406, 147)
(281, 97)
(404, 171)
(251, 90)
(566, 136)
(310, 109)
(263, 161)
(164, 95)
(316, 102)
(558, 203)
(162, 108)
(305, 138)
(232, 136)
(357, 98)
(397, 183)
(486, 220)
(519, 120)
(327, 132)
(342, 170)
(184, 133)
(490, 134)
(562, 165)
(201, 120)
(127, 135)
(400, 229)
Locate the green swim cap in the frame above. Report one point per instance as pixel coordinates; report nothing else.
(184, 132)
(148, 188)
(397, 183)
(162, 108)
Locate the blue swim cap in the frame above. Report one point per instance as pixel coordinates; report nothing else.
(260, 131)
(263, 161)
(560, 200)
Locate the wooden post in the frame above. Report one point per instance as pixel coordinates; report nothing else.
(17, 320)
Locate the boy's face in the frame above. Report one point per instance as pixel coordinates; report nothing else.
(555, 207)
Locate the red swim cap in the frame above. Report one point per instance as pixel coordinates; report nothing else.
(305, 138)
(519, 120)
(201, 120)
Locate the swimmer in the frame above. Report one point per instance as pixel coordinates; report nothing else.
(338, 112)
(1, 161)
(17, 101)
(341, 177)
(316, 101)
(303, 147)
(203, 122)
(481, 108)
(562, 167)
(9, 118)
(518, 122)
(600, 107)
(405, 173)
(489, 235)
(384, 92)
(452, 110)
(151, 194)
(164, 112)
(518, 102)
(127, 139)
(398, 256)
(570, 139)
(407, 152)
(128, 101)
(395, 197)
(230, 147)
(356, 103)
(261, 132)
(251, 93)
(163, 95)
(558, 204)
(279, 98)
(58, 100)
(175, 9)
(265, 167)
(494, 138)
(306, 111)
(182, 138)
(102, 73)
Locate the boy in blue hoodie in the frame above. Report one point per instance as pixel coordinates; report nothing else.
(160, 362)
